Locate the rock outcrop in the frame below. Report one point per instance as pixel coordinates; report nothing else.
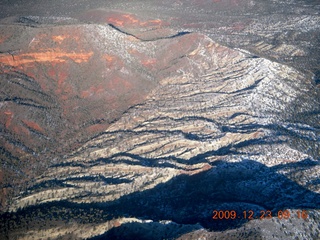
(142, 131)
(62, 85)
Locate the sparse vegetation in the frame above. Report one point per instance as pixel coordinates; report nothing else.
(133, 130)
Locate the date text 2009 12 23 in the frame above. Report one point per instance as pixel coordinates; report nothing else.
(263, 214)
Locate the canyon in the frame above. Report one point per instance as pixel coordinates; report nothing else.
(139, 124)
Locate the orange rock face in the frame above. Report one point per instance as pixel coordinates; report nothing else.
(121, 19)
(63, 85)
(53, 57)
(142, 28)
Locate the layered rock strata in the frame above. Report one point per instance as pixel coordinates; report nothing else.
(202, 127)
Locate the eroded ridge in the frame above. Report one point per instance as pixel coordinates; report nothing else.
(222, 130)
(62, 85)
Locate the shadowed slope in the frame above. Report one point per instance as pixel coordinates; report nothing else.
(211, 103)
(162, 119)
(188, 201)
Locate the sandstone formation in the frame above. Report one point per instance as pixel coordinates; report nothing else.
(120, 126)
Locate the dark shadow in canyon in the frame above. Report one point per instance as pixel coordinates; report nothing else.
(190, 199)
(240, 186)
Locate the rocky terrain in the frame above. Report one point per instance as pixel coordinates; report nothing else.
(142, 124)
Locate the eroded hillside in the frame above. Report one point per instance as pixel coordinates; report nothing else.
(139, 130)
